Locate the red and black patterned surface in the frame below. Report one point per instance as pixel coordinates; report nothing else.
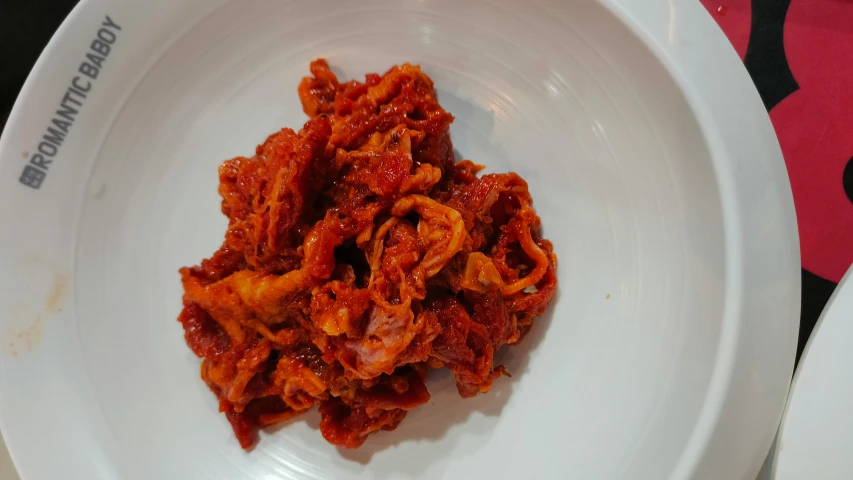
(800, 56)
(798, 52)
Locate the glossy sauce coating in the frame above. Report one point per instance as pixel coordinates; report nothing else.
(358, 256)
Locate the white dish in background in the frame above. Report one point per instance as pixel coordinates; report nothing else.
(653, 165)
(816, 435)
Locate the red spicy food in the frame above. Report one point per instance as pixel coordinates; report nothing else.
(358, 256)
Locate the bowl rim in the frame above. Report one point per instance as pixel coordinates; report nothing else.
(720, 92)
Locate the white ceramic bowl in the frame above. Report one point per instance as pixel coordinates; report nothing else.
(817, 427)
(670, 344)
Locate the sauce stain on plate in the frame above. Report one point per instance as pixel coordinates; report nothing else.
(25, 330)
(21, 341)
(57, 293)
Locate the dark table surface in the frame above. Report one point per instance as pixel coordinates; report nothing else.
(798, 52)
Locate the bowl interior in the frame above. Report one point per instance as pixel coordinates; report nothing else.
(611, 380)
